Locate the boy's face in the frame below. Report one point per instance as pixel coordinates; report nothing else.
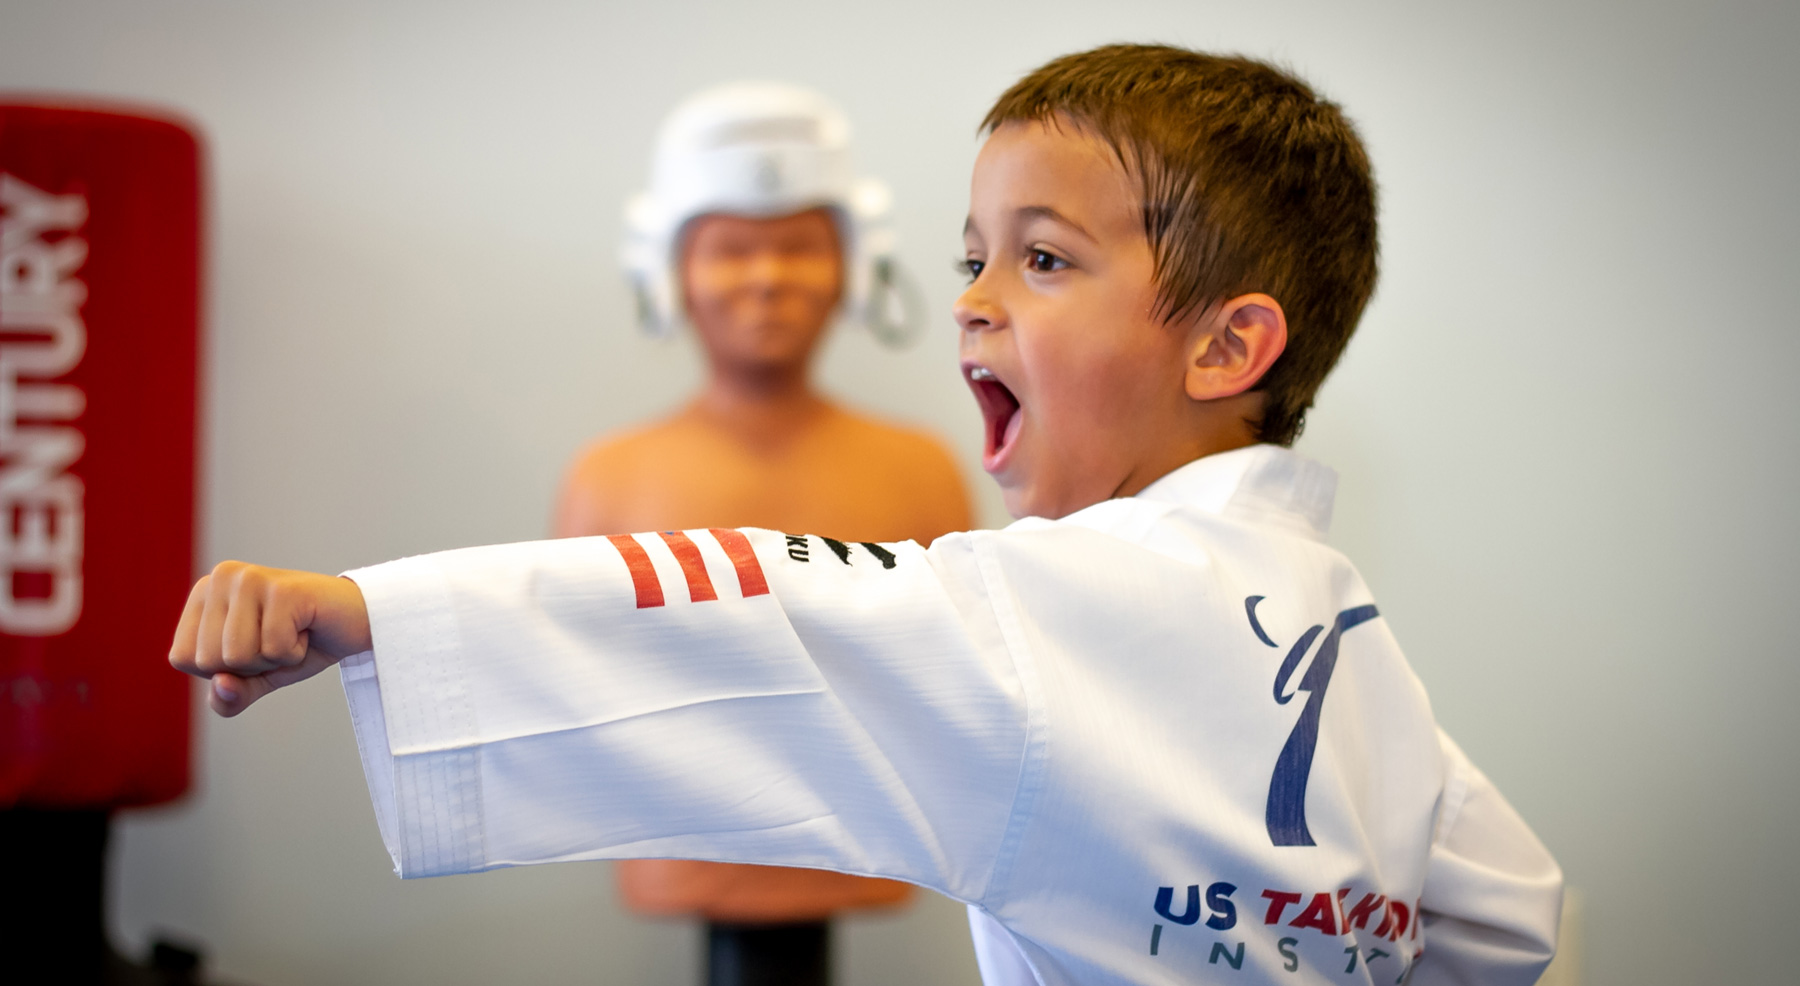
(1079, 380)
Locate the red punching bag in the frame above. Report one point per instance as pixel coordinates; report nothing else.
(99, 317)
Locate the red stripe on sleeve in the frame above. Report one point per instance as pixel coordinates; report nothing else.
(643, 574)
(749, 570)
(700, 587)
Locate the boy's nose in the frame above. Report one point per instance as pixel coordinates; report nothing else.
(975, 311)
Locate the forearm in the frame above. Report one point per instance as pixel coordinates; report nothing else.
(813, 722)
(1493, 894)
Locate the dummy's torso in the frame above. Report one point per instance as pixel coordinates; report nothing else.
(821, 470)
(827, 472)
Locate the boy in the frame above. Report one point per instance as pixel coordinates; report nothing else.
(1084, 726)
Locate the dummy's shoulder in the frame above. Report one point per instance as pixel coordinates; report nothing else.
(595, 463)
(909, 469)
(918, 454)
(616, 482)
(905, 443)
(634, 449)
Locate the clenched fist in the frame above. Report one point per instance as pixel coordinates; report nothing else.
(252, 630)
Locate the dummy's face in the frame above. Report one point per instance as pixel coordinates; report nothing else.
(1078, 381)
(760, 291)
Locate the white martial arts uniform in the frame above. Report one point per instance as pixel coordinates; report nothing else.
(1109, 735)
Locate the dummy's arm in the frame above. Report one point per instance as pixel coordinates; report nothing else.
(1493, 894)
(736, 696)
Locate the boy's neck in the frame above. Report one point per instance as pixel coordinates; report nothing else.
(1223, 425)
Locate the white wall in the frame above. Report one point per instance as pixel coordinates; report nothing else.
(1567, 432)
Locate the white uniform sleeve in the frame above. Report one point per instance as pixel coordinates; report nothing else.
(744, 697)
(1492, 895)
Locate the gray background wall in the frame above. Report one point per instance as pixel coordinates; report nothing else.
(1567, 432)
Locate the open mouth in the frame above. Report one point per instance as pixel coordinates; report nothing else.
(999, 408)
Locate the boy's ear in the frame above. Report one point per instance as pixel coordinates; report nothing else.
(1234, 345)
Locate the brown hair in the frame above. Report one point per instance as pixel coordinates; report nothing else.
(1251, 182)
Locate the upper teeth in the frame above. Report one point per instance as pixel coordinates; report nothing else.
(980, 373)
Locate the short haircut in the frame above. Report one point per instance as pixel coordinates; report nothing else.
(1251, 182)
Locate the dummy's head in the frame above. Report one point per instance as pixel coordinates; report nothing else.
(759, 291)
(754, 223)
(1169, 252)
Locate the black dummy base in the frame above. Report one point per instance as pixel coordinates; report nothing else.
(768, 954)
(54, 895)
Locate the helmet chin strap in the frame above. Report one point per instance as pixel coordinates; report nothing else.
(895, 310)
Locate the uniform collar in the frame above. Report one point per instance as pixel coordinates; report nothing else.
(1264, 484)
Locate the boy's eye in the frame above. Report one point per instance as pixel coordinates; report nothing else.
(970, 267)
(1044, 262)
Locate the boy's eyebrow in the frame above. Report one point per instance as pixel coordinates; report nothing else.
(1029, 212)
(1045, 212)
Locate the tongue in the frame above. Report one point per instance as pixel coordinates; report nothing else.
(1009, 431)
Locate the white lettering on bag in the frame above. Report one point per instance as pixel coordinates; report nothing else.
(42, 336)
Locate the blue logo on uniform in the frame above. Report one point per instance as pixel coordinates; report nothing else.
(1285, 813)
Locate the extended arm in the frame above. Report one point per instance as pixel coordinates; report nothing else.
(736, 696)
(1493, 894)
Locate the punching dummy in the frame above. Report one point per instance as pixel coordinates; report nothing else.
(754, 237)
(99, 312)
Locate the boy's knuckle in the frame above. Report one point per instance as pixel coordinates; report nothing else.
(237, 657)
(277, 645)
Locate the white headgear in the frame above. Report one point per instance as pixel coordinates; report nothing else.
(763, 149)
